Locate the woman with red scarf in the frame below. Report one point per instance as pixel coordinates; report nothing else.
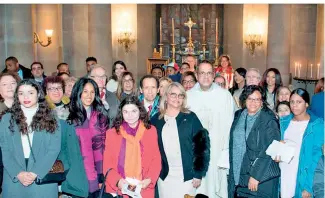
(225, 69)
(131, 150)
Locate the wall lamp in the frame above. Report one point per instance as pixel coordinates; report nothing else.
(48, 33)
(125, 40)
(254, 32)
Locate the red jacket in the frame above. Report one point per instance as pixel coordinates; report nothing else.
(151, 160)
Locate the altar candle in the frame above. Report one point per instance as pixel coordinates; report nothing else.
(173, 33)
(318, 70)
(295, 69)
(217, 31)
(203, 39)
(160, 28)
(311, 70)
(299, 67)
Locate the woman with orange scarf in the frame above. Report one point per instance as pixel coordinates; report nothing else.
(131, 150)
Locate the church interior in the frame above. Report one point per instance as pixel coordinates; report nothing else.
(289, 37)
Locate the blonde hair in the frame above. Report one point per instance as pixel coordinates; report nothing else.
(165, 78)
(224, 56)
(163, 100)
(71, 80)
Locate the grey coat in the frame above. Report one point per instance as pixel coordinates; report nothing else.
(113, 106)
(46, 148)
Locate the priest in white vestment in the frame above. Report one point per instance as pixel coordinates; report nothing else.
(214, 106)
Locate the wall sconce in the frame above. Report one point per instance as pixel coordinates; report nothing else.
(254, 32)
(125, 40)
(48, 33)
(252, 41)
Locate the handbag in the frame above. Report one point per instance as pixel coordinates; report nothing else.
(102, 193)
(273, 169)
(55, 175)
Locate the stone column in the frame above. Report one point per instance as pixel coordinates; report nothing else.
(319, 55)
(3, 52)
(233, 33)
(46, 17)
(303, 40)
(100, 34)
(278, 48)
(75, 37)
(17, 34)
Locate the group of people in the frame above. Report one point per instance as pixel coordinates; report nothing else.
(195, 130)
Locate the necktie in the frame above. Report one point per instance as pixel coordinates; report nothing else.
(102, 94)
(149, 111)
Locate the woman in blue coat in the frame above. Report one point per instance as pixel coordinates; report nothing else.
(30, 139)
(305, 132)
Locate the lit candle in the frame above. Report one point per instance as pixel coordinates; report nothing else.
(203, 39)
(295, 69)
(311, 70)
(299, 67)
(160, 27)
(318, 70)
(217, 31)
(173, 33)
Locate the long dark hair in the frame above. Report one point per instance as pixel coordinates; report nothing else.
(278, 79)
(143, 113)
(114, 77)
(249, 90)
(78, 113)
(303, 93)
(44, 119)
(242, 72)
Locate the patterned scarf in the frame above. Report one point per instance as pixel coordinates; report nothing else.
(129, 160)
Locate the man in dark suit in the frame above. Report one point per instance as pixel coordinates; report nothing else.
(38, 72)
(12, 65)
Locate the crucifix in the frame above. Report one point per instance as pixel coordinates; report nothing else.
(189, 24)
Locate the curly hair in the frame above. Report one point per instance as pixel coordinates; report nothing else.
(78, 113)
(143, 113)
(249, 90)
(54, 80)
(44, 119)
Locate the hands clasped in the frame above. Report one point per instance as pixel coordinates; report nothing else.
(26, 178)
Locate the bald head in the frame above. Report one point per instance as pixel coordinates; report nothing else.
(98, 74)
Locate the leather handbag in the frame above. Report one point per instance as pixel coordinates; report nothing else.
(55, 175)
(102, 193)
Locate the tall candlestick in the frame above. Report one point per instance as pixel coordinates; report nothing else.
(311, 70)
(318, 71)
(160, 27)
(217, 31)
(173, 31)
(203, 39)
(295, 69)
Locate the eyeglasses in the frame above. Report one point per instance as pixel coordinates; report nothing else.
(175, 95)
(188, 82)
(52, 89)
(127, 80)
(99, 77)
(255, 100)
(209, 74)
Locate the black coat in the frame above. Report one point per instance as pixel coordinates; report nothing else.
(264, 131)
(194, 143)
(26, 72)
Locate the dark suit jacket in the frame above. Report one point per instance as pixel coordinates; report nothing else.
(265, 129)
(26, 72)
(113, 103)
(188, 126)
